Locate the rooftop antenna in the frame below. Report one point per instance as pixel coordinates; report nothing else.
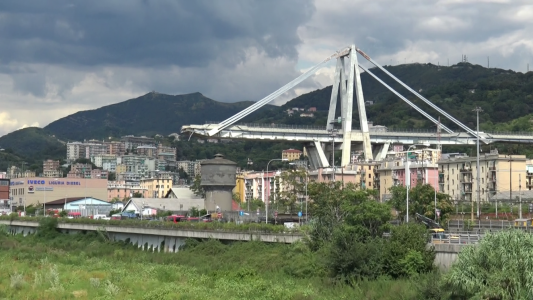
(488, 62)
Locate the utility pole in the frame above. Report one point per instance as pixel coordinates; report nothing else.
(510, 179)
(477, 110)
(520, 196)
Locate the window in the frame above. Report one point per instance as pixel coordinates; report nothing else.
(369, 175)
(370, 183)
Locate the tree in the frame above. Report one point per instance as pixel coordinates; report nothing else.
(292, 188)
(112, 176)
(182, 174)
(499, 267)
(421, 200)
(348, 206)
(137, 195)
(254, 204)
(348, 227)
(236, 197)
(196, 186)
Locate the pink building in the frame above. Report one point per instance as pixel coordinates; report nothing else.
(122, 190)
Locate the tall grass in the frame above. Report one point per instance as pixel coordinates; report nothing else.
(87, 267)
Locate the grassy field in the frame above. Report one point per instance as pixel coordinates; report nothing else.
(53, 266)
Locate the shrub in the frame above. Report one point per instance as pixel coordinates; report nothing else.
(17, 281)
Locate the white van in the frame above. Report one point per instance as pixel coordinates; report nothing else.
(100, 217)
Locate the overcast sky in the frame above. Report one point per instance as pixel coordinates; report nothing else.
(58, 57)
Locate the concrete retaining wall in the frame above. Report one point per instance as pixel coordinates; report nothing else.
(446, 254)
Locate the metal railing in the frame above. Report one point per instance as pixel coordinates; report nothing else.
(485, 226)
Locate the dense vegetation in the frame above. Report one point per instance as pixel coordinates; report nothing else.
(345, 256)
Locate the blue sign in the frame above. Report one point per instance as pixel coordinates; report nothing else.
(241, 213)
(299, 214)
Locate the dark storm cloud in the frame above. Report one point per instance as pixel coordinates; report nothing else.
(188, 33)
(389, 26)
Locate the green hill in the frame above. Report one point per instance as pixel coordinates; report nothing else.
(30, 145)
(503, 95)
(150, 114)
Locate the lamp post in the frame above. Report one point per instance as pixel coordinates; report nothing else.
(306, 179)
(477, 110)
(408, 178)
(92, 208)
(44, 201)
(407, 181)
(268, 198)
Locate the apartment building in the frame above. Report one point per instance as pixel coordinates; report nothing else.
(192, 168)
(132, 142)
(116, 148)
(362, 173)
(146, 150)
(392, 172)
(498, 173)
(16, 172)
(80, 171)
(51, 169)
(106, 161)
(125, 189)
(166, 153)
(157, 186)
(261, 185)
(75, 150)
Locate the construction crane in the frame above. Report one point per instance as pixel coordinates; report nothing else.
(430, 224)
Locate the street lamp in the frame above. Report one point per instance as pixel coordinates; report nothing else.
(268, 198)
(44, 200)
(92, 208)
(408, 177)
(407, 181)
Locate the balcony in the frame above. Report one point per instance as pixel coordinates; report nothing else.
(465, 180)
(466, 170)
(493, 168)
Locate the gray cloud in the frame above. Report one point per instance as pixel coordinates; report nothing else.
(148, 33)
(58, 57)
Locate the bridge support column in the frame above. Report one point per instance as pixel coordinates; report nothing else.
(347, 89)
(317, 156)
(355, 79)
(381, 152)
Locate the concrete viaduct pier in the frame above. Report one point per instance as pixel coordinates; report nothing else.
(154, 239)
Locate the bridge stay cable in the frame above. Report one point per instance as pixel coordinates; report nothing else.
(231, 120)
(406, 100)
(451, 118)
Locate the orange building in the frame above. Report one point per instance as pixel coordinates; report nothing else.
(291, 154)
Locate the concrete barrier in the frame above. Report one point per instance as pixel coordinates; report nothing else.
(446, 254)
(150, 233)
